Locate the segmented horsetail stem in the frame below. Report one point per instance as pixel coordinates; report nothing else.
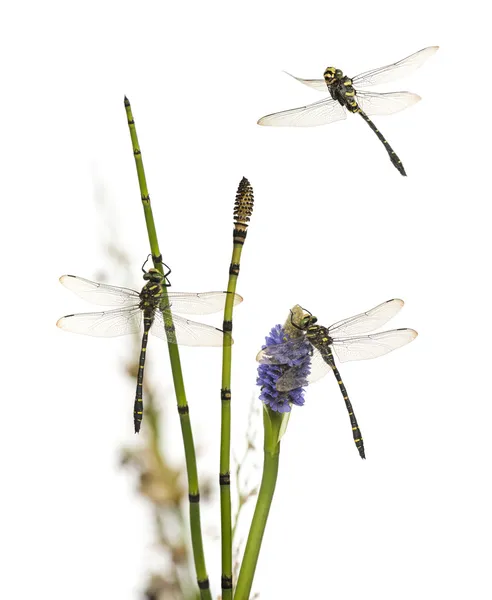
(183, 409)
(243, 209)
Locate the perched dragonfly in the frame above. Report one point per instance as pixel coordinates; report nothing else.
(155, 311)
(343, 340)
(345, 96)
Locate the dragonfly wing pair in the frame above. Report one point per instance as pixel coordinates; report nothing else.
(127, 319)
(385, 74)
(329, 110)
(347, 344)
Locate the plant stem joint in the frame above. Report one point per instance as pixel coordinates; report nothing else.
(225, 479)
(234, 269)
(239, 236)
(225, 395)
(203, 584)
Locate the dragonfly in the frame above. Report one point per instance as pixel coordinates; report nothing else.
(346, 97)
(343, 340)
(155, 306)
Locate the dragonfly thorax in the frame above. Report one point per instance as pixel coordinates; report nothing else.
(341, 89)
(318, 335)
(151, 294)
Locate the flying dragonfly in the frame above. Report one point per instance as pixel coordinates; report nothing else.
(153, 304)
(343, 340)
(345, 96)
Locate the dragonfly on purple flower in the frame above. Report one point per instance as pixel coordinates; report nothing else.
(311, 355)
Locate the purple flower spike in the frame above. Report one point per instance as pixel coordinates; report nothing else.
(296, 355)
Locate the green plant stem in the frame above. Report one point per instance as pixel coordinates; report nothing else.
(225, 431)
(263, 503)
(183, 409)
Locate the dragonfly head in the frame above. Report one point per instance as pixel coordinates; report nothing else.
(153, 275)
(332, 75)
(305, 322)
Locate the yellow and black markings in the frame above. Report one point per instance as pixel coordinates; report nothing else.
(392, 154)
(321, 340)
(342, 90)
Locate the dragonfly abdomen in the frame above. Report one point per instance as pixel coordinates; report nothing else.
(356, 433)
(391, 153)
(138, 405)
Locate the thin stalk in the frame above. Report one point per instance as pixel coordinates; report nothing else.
(241, 497)
(183, 409)
(243, 209)
(271, 448)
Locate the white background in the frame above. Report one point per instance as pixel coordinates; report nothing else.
(335, 228)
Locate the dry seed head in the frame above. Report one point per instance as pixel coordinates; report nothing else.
(243, 207)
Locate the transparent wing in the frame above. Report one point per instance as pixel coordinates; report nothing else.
(200, 304)
(367, 321)
(372, 346)
(100, 293)
(293, 379)
(402, 68)
(373, 103)
(320, 113)
(184, 332)
(316, 84)
(111, 323)
(281, 354)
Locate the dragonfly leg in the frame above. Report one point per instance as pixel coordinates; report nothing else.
(166, 283)
(146, 260)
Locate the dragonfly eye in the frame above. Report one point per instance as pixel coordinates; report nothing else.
(305, 322)
(338, 74)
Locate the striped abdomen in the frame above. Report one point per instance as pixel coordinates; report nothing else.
(138, 406)
(328, 357)
(392, 154)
